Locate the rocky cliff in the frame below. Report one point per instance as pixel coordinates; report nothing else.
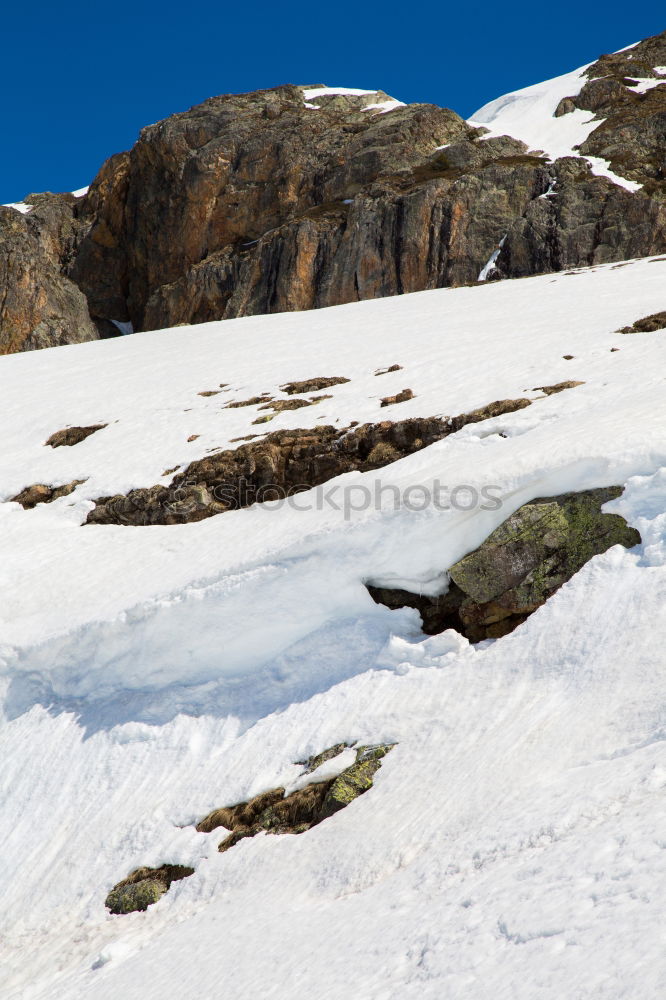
(296, 198)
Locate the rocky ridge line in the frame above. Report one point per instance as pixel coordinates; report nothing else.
(258, 203)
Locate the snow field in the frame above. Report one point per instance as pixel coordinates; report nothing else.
(513, 844)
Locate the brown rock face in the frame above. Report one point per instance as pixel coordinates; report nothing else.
(632, 129)
(256, 203)
(247, 187)
(39, 306)
(587, 220)
(265, 205)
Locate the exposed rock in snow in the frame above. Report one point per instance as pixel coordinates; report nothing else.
(40, 493)
(69, 436)
(282, 464)
(144, 887)
(512, 841)
(648, 324)
(519, 566)
(307, 806)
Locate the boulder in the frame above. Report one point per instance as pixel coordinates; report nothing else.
(144, 887)
(520, 565)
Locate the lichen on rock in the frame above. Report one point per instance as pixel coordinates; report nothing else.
(355, 780)
(144, 887)
(276, 813)
(520, 565)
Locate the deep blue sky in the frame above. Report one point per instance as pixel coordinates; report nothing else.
(80, 80)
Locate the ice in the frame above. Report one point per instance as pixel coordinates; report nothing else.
(489, 266)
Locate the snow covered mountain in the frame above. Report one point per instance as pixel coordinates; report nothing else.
(305, 197)
(250, 601)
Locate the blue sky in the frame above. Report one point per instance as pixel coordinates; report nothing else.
(80, 80)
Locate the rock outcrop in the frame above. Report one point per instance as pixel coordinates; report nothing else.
(266, 205)
(648, 324)
(268, 202)
(273, 812)
(69, 436)
(627, 94)
(41, 493)
(39, 305)
(144, 887)
(520, 565)
(270, 812)
(282, 464)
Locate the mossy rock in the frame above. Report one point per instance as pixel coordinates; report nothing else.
(137, 896)
(538, 548)
(144, 887)
(355, 780)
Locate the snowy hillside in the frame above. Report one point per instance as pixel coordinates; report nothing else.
(513, 842)
(529, 114)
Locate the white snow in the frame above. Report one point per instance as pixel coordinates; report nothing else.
(20, 206)
(379, 107)
(383, 106)
(24, 208)
(314, 92)
(513, 844)
(643, 84)
(528, 115)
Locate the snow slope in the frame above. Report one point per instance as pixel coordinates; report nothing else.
(513, 843)
(528, 114)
